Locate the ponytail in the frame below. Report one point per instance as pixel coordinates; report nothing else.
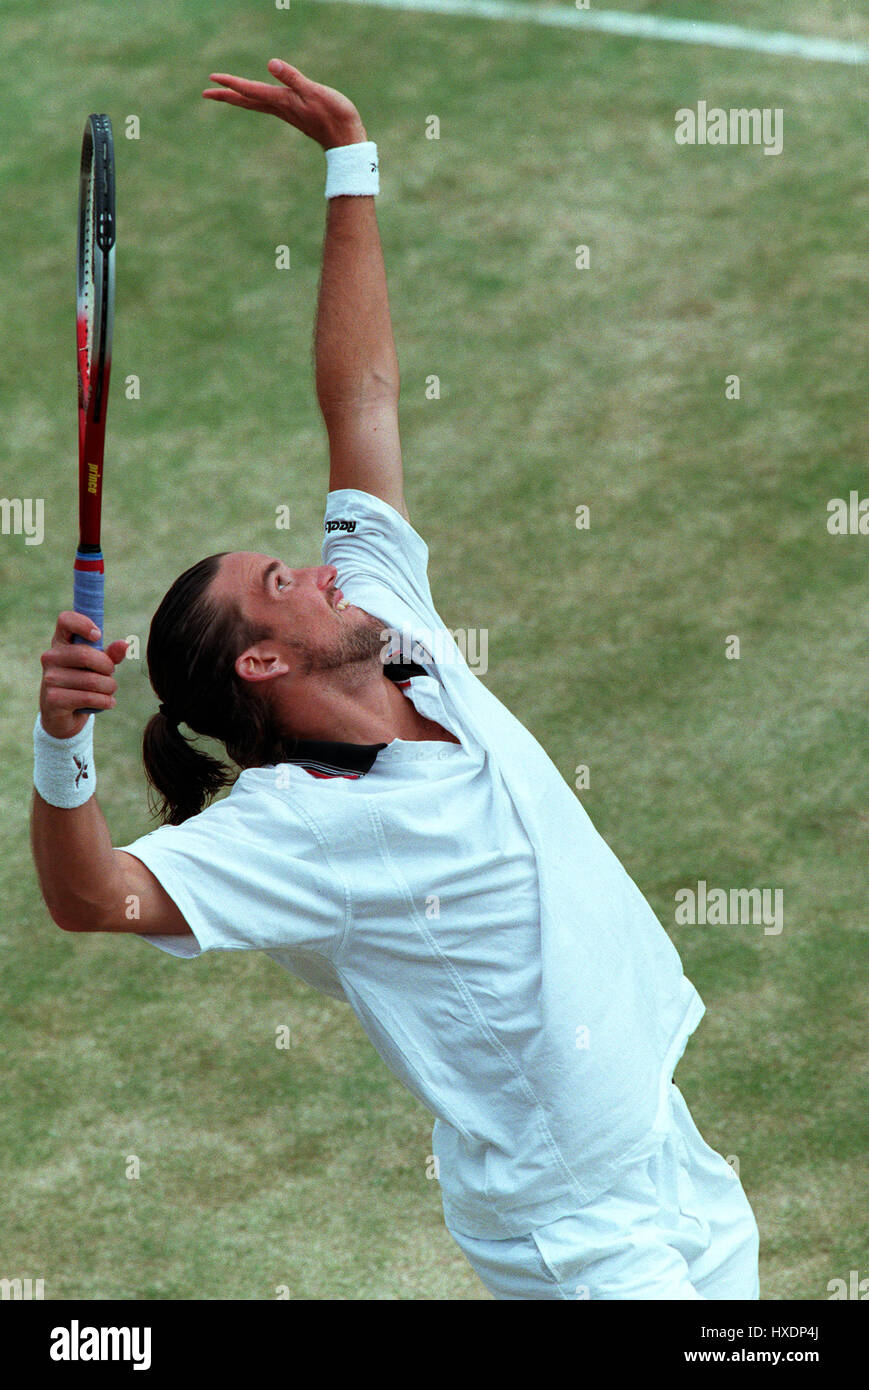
(182, 778)
(192, 649)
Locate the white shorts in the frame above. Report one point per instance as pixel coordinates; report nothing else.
(676, 1226)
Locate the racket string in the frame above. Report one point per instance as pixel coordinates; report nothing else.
(86, 315)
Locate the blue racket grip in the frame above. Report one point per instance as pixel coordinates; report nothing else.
(87, 595)
(88, 586)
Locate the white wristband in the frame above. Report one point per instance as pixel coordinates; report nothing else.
(352, 169)
(63, 768)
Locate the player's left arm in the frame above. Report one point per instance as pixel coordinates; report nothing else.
(356, 365)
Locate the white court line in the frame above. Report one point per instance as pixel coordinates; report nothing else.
(641, 26)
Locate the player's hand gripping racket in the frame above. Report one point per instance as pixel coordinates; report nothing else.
(95, 304)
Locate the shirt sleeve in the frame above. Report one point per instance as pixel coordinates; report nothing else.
(246, 874)
(374, 548)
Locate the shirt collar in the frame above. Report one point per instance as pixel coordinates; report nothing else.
(327, 758)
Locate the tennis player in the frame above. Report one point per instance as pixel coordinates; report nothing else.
(397, 839)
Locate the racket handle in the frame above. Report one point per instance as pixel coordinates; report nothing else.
(87, 595)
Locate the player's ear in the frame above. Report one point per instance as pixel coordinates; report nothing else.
(260, 663)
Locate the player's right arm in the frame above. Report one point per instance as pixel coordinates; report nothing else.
(86, 883)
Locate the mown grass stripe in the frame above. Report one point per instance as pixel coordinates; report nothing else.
(694, 31)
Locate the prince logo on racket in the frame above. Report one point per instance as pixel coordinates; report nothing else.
(368, 788)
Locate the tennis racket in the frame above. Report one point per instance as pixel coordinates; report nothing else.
(95, 303)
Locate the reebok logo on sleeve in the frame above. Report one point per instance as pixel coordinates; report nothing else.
(340, 526)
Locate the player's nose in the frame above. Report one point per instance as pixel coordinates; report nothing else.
(325, 576)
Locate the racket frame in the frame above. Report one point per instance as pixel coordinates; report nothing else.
(95, 247)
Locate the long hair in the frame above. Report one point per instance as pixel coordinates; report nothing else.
(192, 648)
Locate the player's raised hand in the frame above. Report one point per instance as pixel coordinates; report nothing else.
(76, 676)
(322, 113)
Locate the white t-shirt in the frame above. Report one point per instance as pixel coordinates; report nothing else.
(496, 953)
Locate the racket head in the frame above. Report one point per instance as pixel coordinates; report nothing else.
(95, 305)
